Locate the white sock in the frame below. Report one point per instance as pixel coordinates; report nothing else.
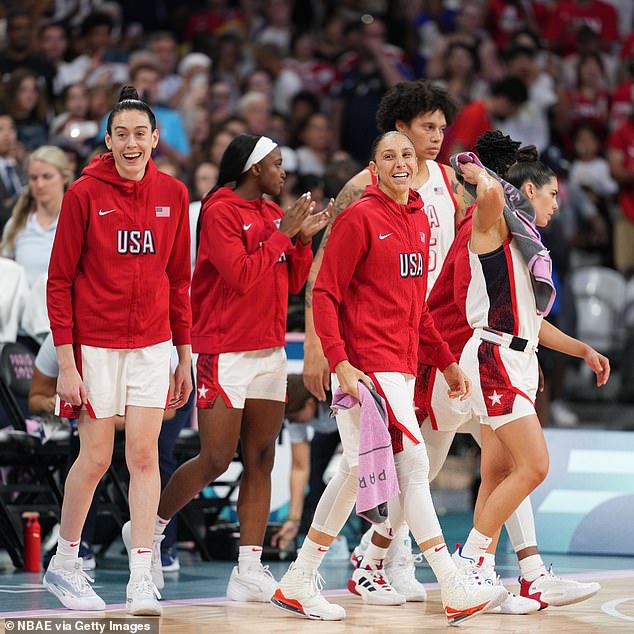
(532, 567)
(140, 560)
(66, 549)
(159, 526)
(476, 545)
(249, 557)
(489, 560)
(439, 559)
(311, 555)
(373, 558)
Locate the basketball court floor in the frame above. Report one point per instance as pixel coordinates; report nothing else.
(194, 602)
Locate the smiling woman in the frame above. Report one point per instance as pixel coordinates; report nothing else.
(114, 346)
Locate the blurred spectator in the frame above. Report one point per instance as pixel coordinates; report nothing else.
(279, 26)
(11, 174)
(27, 104)
(255, 109)
(53, 39)
(229, 64)
(461, 77)
(435, 17)
(19, 53)
(367, 71)
(28, 236)
(317, 75)
(561, 29)
(507, 97)
(507, 17)
(217, 143)
(194, 70)
(221, 102)
(316, 145)
(216, 18)
(98, 63)
(331, 44)
(470, 23)
(286, 83)
(163, 45)
(73, 122)
(621, 159)
(205, 177)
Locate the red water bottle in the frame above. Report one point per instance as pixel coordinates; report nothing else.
(32, 542)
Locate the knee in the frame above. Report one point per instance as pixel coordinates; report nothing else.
(260, 459)
(94, 465)
(492, 473)
(141, 459)
(535, 473)
(212, 465)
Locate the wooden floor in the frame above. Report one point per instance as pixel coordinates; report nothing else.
(612, 610)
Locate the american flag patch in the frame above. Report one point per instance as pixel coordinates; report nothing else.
(438, 191)
(162, 212)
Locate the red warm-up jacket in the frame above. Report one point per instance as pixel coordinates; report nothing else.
(120, 268)
(369, 298)
(244, 270)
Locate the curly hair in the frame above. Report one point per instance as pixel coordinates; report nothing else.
(409, 99)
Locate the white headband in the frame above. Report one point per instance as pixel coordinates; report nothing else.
(262, 148)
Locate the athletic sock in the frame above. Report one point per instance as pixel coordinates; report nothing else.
(532, 567)
(66, 549)
(249, 557)
(311, 555)
(140, 560)
(439, 559)
(476, 545)
(159, 526)
(373, 557)
(489, 560)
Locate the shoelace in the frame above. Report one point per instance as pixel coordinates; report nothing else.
(146, 586)
(264, 570)
(79, 579)
(317, 583)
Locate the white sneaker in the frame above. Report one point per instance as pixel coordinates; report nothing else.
(401, 571)
(513, 603)
(467, 594)
(157, 568)
(549, 589)
(71, 585)
(299, 592)
(254, 584)
(373, 587)
(142, 595)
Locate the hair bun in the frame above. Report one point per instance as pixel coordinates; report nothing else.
(527, 154)
(128, 92)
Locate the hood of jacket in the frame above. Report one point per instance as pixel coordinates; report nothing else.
(103, 168)
(414, 201)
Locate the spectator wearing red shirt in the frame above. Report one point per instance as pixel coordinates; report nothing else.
(621, 159)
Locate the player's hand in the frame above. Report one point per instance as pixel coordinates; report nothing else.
(471, 172)
(459, 383)
(316, 222)
(599, 364)
(295, 214)
(182, 385)
(349, 376)
(316, 371)
(70, 387)
(283, 537)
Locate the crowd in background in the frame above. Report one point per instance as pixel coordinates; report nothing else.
(558, 74)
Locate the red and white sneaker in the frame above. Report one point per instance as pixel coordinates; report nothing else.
(299, 592)
(374, 587)
(513, 604)
(549, 589)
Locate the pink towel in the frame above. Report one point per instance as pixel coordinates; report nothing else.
(376, 472)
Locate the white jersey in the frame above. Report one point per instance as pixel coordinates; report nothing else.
(440, 207)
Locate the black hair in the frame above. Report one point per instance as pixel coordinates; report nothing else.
(470, 51)
(409, 99)
(234, 159)
(511, 87)
(375, 143)
(518, 165)
(94, 20)
(129, 100)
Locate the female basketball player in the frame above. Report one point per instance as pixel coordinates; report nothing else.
(369, 307)
(118, 295)
(504, 310)
(245, 268)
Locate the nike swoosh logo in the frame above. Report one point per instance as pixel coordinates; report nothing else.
(383, 236)
(143, 551)
(246, 227)
(439, 548)
(105, 213)
(323, 550)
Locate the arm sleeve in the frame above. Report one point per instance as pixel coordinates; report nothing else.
(301, 258)
(62, 269)
(240, 270)
(179, 274)
(345, 247)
